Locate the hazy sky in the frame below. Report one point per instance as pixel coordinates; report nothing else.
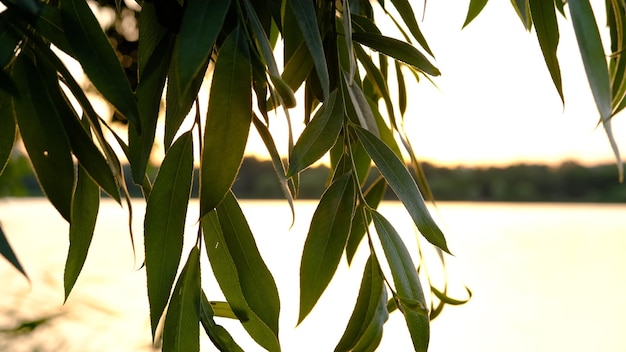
(496, 103)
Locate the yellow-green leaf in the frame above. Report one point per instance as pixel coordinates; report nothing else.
(220, 337)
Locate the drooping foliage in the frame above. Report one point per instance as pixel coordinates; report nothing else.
(332, 51)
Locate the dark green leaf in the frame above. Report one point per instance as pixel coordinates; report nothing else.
(95, 54)
(228, 121)
(475, 7)
(85, 205)
(44, 136)
(406, 281)
(347, 34)
(8, 253)
(164, 223)
(397, 49)
(305, 14)
(403, 185)
(298, 67)
(402, 101)
(201, 23)
(325, 241)
(9, 42)
(151, 33)
(318, 136)
(546, 26)
(181, 331)
(373, 197)
(219, 336)
(354, 97)
(241, 272)
(149, 93)
(523, 11)
(8, 130)
(50, 26)
(405, 9)
(365, 327)
(378, 79)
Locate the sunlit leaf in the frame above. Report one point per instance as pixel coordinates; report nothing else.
(406, 282)
(398, 50)
(164, 223)
(228, 121)
(403, 185)
(365, 327)
(220, 337)
(318, 136)
(149, 93)
(7, 252)
(222, 309)
(8, 130)
(181, 331)
(44, 136)
(241, 273)
(85, 206)
(547, 29)
(405, 9)
(325, 241)
(475, 7)
(200, 26)
(98, 59)
(305, 14)
(373, 197)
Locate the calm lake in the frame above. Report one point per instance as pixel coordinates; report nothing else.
(544, 277)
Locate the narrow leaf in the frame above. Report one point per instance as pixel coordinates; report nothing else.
(97, 57)
(8, 130)
(222, 309)
(398, 50)
(228, 121)
(347, 33)
(325, 241)
(220, 337)
(318, 136)
(546, 26)
(200, 26)
(354, 96)
(475, 7)
(405, 9)
(181, 331)
(370, 310)
(406, 281)
(403, 185)
(373, 197)
(306, 17)
(8, 253)
(522, 8)
(85, 205)
(164, 223)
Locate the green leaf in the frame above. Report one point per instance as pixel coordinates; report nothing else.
(398, 50)
(594, 60)
(222, 309)
(228, 121)
(241, 273)
(403, 185)
(318, 136)
(9, 41)
(85, 206)
(220, 337)
(43, 135)
(181, 331)
(50, 26)
(306, 17)
(8, 253)
(405, 9)
(149, 93)
(522, 8)
(298, 67)
(8, 130)
(406, 281)
(402, 96)
(365, 327)
(360, 106)
(325, 241)
(546, 26)
(200, 26)
(373, 197)
(475, 7)
(97, 57)
(164, 223)
(347, 34)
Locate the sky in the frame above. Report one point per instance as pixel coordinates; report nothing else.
(495, 103)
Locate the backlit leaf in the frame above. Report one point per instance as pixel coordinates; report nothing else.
(200, 26)
(365, 327)
(318, 136)
(360, 106)
(522, 8)
(220, 337)
(398, 50)
(475, 7)
(406, 282)
(405, 9)
(8, 253)
(228, 121)
(547, 29)
(8, 130)
(403, 186)
(164, 223)
(325, 241)
(181, 331)
(44, 136)
(85, 205)
(222, 309)
(373, 197)
(97, 57)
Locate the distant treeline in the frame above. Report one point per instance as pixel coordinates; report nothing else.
(568, 182)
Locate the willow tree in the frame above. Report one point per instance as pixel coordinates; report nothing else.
(344, 63)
